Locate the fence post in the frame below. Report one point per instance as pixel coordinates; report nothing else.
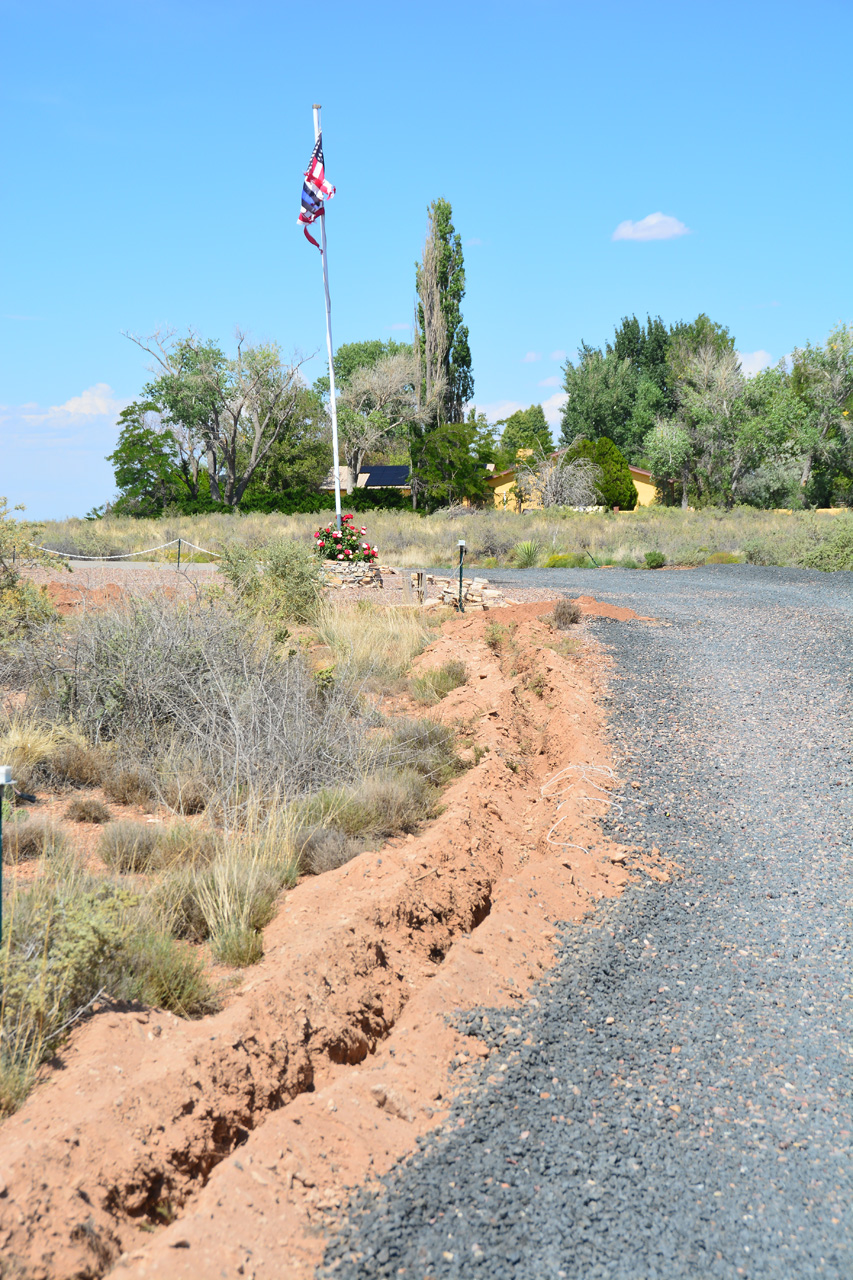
(178, 570)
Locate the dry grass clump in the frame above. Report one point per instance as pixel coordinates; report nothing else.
(370, 642)
(130, 786)
(187, 793)
(431, 685)
(130, 846)
(87, 809)
(24, 840)
(69, 939)
(566, 614)
(325, 849)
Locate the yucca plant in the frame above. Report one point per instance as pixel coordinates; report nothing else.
(526, 554)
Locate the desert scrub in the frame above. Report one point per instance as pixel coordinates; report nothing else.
(655, 559)
(370, 642)
(130, 846)
(280, 582)
(87, 809)
(196, 692)
(567, 613)
(70, 939)
(495, 636)
(430, 686)
(24, 841)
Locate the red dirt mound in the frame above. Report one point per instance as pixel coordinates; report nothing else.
(245, 1131)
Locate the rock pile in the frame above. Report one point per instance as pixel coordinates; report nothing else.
(476, 592)
(352, 575)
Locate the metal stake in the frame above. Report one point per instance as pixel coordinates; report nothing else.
(461, 558)
(178, 570)
(5, 781)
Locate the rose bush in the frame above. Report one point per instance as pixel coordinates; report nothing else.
(347, 543)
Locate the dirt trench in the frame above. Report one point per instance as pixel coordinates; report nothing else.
(226, 1146)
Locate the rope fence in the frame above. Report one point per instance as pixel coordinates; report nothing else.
(128, 555)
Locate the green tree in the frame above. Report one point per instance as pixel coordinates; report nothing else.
(601, 391)
(149, 469)
(301, 456)
(451, 463)
(822, 379)
(441, 337)
(524, 429)
(614, 484)
(351, 356)
(226, 411)
(646, 346)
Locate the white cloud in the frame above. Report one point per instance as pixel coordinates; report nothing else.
(532, 357)
(499, 409)
(557, 355)
(54, 458)
(553, 407)
(395, 327)
(753, 362)
(473, 241)
(655, 226)
(550, 382)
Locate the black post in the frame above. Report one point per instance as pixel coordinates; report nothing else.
(178, 570)
(461, 558)
(5, 781)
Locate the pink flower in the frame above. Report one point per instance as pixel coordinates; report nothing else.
(321, 543)
(336, 534)
(340, 557)
(364, 531)
(349, 553)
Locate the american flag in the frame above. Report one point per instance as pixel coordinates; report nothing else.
(315, 189)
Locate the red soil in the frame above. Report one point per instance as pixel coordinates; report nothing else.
(227, 1146)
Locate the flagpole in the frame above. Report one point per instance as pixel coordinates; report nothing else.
(333, 405)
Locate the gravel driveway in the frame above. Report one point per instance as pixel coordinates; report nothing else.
(677, 1103)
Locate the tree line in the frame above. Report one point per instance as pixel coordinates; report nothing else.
(244, 431)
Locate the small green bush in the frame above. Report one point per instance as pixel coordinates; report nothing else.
(655, 559)
(569, 560)
(436, 683)
(167, 975)
(87, 809)
(835, 552)
(324, 849)
(386, 804)
(724, 557)
(428, 747)
(282, 580)
(495, 636)
(615, 486)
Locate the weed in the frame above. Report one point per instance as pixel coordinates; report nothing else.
(130, 846)
(130, 786)
(239, 946)
(325, 848)
(537, 685)
(655, 559)
(87, 809)
(431, 685)
(495, 636)
(26, 841)
(567, 613)
(167, 975)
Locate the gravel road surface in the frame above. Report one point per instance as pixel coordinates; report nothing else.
(675, 1102)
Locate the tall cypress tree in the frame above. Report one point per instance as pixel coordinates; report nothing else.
(442, 338)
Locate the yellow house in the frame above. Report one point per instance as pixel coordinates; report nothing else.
(502, 485)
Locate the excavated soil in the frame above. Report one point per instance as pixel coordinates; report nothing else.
(225, 1147)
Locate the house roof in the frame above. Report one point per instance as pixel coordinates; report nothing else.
(385, 477)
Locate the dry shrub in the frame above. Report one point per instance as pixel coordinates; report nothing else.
(130, 846)
(388, 803)
(87, 809)
(324, 849)
(371, 641)
(187, 794)
(79, 764)
(130, 786)
(31, 839)
(187, 846)
(566, 614)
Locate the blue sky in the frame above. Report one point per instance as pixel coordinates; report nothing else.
(153, 154)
